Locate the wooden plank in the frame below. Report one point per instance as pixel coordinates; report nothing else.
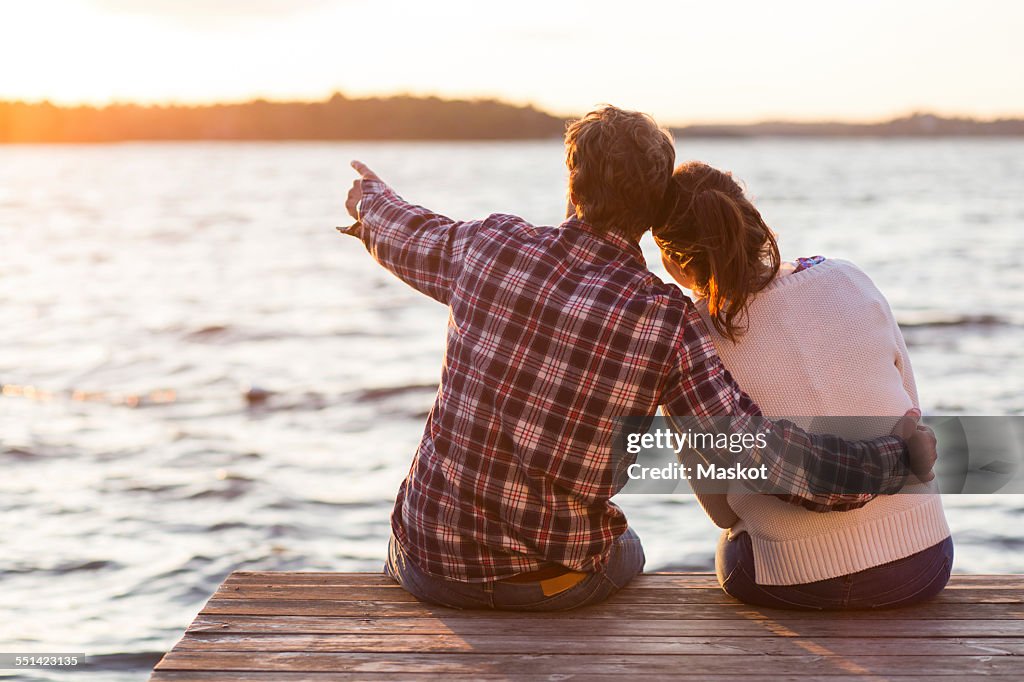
(472, 664)
(975, 581)
(732, 610)
(307, 676)
(658, 595)
(606, 644)
(571, 625)
(695, 595)
(647, 580)
(289, 627)
(392, 593)
(677, 580)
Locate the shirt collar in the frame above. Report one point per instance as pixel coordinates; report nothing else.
(612, 237)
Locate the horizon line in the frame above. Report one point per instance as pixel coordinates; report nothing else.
(257, 99)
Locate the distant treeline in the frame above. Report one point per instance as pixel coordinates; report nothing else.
(917, 125)
(338, 118)
(396, 118)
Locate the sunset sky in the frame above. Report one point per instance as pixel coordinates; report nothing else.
(681, 61)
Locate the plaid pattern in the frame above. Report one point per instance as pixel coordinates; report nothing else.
(554, 333)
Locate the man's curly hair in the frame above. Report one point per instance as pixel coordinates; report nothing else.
(619, 165)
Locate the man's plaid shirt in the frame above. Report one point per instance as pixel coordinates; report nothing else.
(553, 333)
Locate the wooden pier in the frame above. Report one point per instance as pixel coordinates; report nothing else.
(315, 627)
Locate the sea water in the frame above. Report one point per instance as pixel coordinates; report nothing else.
(201, 375)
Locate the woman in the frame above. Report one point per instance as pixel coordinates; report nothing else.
(811, 337)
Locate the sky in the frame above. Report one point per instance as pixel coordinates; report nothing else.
(682, 61)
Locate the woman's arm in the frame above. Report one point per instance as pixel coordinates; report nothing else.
(903, 362)
(716, 506)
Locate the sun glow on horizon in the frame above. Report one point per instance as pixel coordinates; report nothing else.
(683, 62)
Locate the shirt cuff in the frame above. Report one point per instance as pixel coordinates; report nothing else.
(896, 463)
(371, 189)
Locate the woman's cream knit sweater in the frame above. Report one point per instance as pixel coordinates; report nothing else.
(823, 342)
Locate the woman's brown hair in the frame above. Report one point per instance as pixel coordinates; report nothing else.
(710, 227)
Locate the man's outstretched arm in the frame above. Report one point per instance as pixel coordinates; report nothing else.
(819, 472)
(424, 249)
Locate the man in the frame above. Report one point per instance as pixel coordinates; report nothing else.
(554, 332)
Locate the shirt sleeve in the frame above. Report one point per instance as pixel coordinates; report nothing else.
(422, 248)
(818, 472)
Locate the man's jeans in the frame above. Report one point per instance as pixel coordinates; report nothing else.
(625, 562)
(907, 581)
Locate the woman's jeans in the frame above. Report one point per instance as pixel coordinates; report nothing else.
(625, 562)
(907, 581)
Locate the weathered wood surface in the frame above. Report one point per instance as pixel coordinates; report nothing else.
(360, 626)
